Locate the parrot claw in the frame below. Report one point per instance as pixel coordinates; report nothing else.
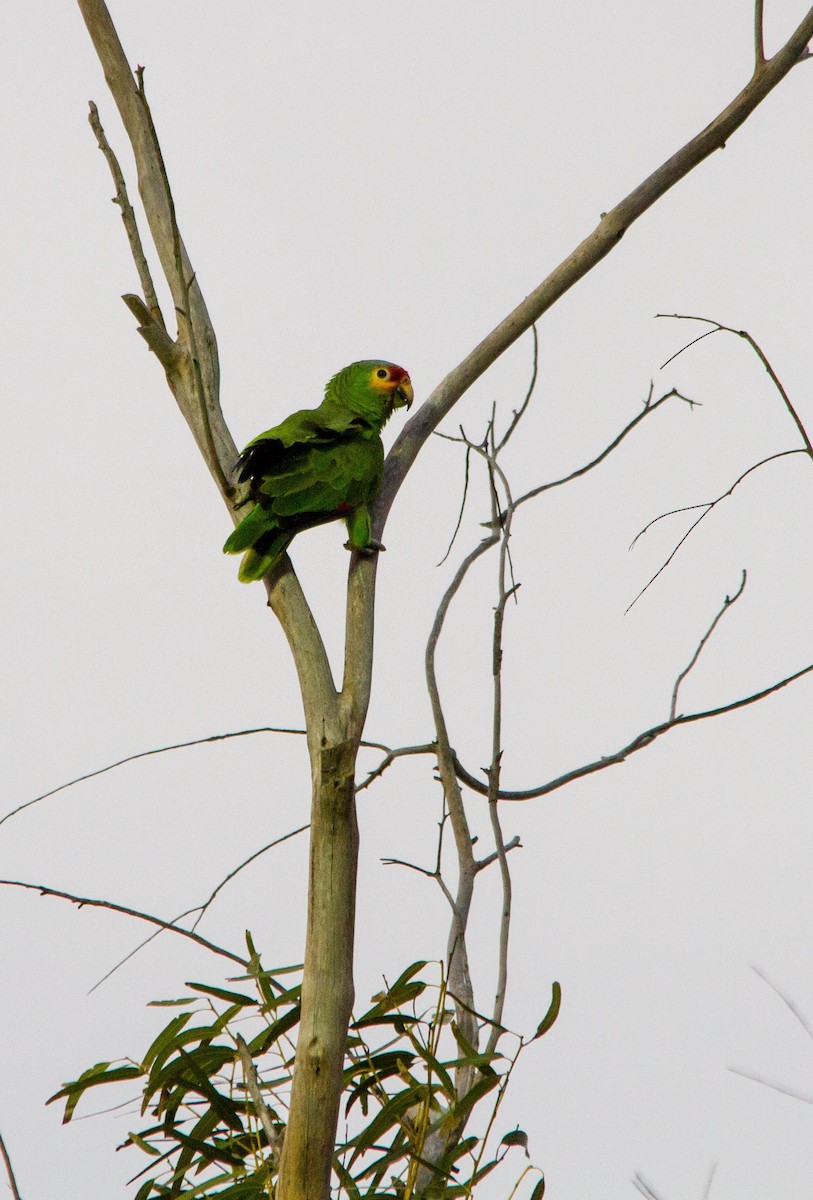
(367, 551)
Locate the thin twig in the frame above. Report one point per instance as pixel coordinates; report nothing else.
(760, 353)
(649, 407)
(245, 863)
(184, 282)
(401, 862)
(482, 863)
(519, 413)
(688, 346)
(797, 1012)
(504, 592)
(128, 217)
(90, 902)
(12, 1182)
(214, 737)
(200, 909)
(462, 503)
(708, 506)
(640, 742)
(390, 757)
(726, 605)
(459, 977)
(776, 1087)
(646, 1189)
(710, 1181)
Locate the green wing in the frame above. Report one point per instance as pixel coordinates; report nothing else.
(303, 473)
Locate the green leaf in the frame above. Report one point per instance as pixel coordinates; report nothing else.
(95, 1075)
(475, 1094)
(438, 1068)
(400, 994)
(165, 1039)
(516, 1137)
(550, 1016)
(261, 1043)
(378, 1067)
(172, 1004)
(346, 1179)
(139, 1141)
(238, 998)
(193, 1073)
(474, 1057)
(389, 1115)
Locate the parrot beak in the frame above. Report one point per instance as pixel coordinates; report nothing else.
(404, 393)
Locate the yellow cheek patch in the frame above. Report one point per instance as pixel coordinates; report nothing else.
(381, 385)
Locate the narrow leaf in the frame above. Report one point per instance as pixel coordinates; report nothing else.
(516, 1137)
(551, 1015)
(237, 998)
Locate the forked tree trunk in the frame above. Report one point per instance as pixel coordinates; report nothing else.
(327, 985)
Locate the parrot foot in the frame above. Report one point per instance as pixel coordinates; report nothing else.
(366, 551)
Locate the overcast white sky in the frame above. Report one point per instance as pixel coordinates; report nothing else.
(381, 179)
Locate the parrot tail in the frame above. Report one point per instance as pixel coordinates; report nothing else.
(263, 555)
(262, 547)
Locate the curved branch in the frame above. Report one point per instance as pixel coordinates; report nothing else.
(604, 238)
(89, 902)
(707, 506)
(639, 742)
(760, 353)
(649, 407)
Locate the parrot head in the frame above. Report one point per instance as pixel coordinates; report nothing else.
(391, 380)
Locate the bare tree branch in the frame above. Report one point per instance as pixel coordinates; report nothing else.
(200, 909)
(390, 757)
(214, 737)
(129, 219)
(519, 413)
(710, 1181)
(89, 902)
(503, 520)
(640, 742)
(611, 228)
(462, 506)
(707, 506)
(646, 1189)
(459, 977)
(726, 605)
(12, 1182)
(759, 36)
(760, 353)
(786, 999)
(649, 407)
(776, 1087)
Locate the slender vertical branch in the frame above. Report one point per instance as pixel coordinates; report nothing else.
(759, 37)
(459, 977)
(504, 593)
(12, 1182)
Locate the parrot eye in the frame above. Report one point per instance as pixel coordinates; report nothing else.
(382, 373)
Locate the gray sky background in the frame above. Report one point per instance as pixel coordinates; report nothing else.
(381, 179)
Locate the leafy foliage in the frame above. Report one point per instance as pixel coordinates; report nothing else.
(215, 1090)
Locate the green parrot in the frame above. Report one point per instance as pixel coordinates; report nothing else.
(321, 464)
